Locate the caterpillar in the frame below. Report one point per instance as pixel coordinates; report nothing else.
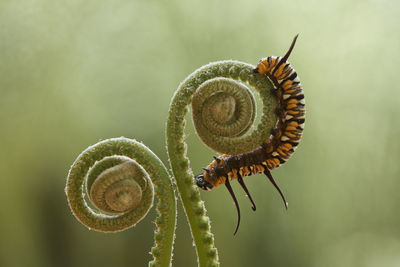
(280, 145)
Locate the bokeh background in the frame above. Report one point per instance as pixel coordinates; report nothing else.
(74, 72)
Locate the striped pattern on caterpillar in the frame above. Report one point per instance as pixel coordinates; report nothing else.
(278, 148)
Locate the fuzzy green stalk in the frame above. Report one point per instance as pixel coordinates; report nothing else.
(128, 174)
(199, 223)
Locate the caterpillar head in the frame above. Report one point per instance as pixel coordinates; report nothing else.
(202, 183)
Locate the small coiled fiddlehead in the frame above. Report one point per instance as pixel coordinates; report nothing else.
(221, 105)
(118, 175)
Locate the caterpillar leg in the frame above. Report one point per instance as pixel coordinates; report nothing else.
(241, 182)
(268, 174)
(228, 186)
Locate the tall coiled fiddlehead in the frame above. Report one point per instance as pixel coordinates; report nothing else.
(222, 108)
(223, 112)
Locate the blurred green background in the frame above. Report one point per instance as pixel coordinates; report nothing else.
(75, 72)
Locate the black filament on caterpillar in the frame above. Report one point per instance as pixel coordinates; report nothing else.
(277, 149)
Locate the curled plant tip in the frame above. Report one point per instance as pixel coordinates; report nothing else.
(224, 112)
(118, 177)
(120, 188)
(120, 193)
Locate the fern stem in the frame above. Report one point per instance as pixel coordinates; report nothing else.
(149, 166)
(194, 207)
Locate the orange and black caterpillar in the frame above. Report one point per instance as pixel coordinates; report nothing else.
(282, 142)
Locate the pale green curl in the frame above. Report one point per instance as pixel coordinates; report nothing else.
(223, 112)
(120, 176)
